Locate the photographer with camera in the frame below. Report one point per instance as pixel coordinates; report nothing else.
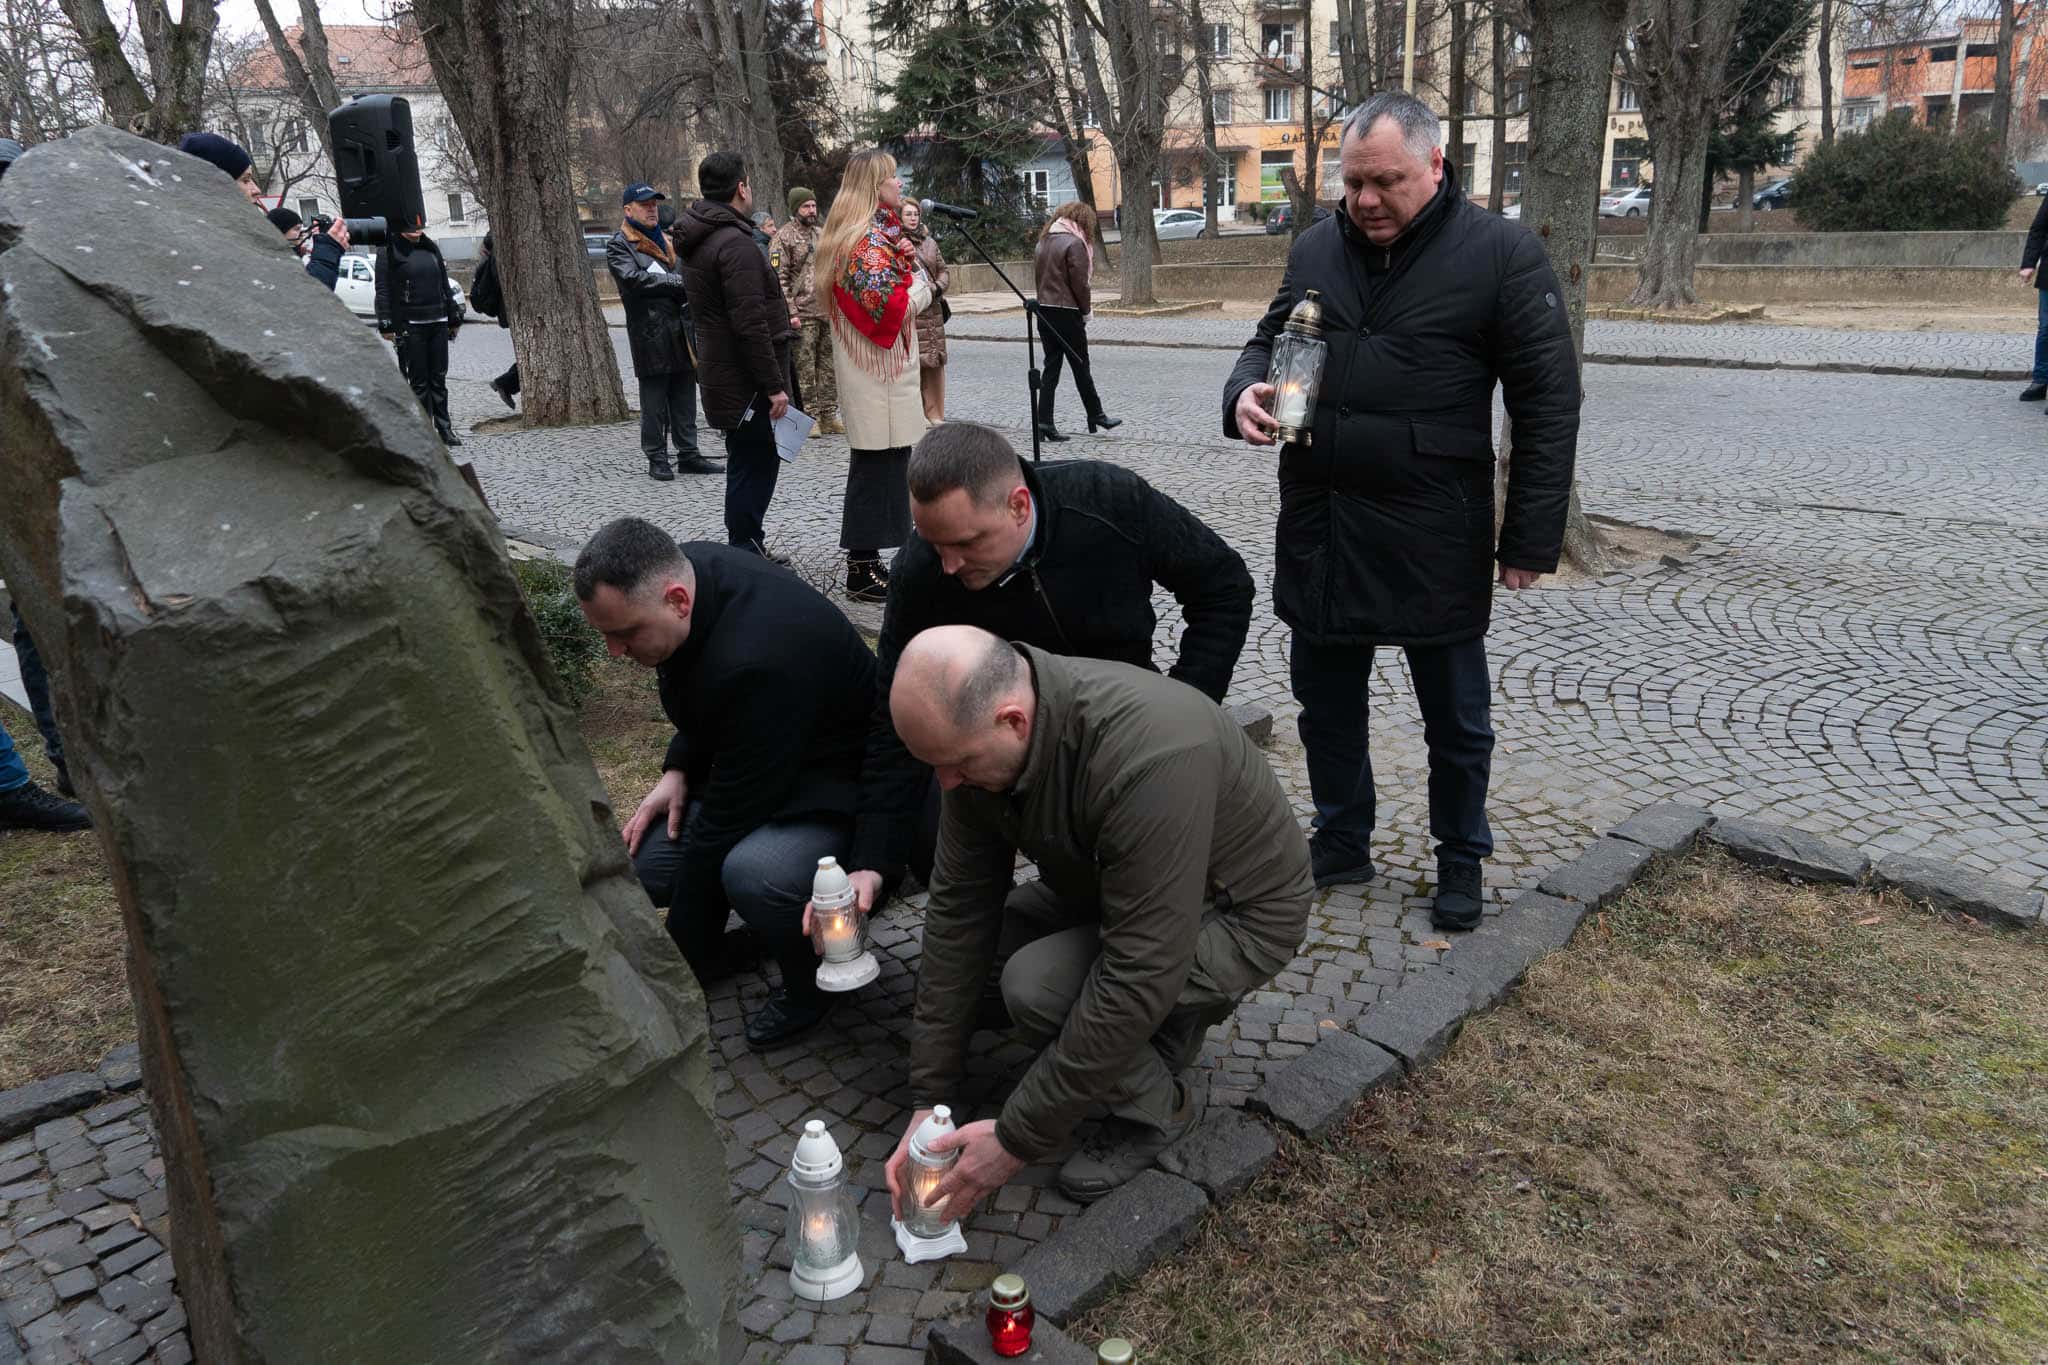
(416, 308)
(321, 244)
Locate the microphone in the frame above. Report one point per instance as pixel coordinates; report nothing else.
(957, 214)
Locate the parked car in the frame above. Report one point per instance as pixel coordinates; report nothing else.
(1513, 212)
(1772, 196)
(594, 244)
(1179, 225)
(357, 287)
(1632, 202)
(2041, 190)
(1282, 218)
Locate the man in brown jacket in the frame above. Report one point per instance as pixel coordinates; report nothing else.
(795, 259)
(1173, 880)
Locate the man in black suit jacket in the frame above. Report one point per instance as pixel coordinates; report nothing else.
(770, 688)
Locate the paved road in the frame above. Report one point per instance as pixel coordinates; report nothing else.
(1862, 657)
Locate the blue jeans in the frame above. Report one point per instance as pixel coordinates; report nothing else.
(2041, 339)
(767, 879)
(1455, 694)
(13, 772)
(35, 680)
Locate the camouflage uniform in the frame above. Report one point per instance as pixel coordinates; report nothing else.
(794, 256)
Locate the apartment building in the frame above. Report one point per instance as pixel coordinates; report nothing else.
(1947, 77)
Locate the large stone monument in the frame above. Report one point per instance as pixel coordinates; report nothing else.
(432, 1083)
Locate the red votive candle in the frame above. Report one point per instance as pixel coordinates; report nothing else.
(1010, 1316)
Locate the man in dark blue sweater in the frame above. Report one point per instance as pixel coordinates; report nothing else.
(770, 688)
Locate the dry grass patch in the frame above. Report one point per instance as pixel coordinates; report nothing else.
(1737, 1120)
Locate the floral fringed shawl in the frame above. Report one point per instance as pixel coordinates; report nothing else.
(873, 297)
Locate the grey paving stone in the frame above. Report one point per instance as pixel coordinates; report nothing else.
(137, 1299)
(1782, 848)
(1118, 1237)
(25, 1107)
(30, 1302)
(121, 1069)
(1255, 720)
(812, 1354)
(1492, 959)
(93, 1328)
(1948, 887)
(130, 1257)
(175, 1351)
(1599, 874)
(1668, 826)
(122, 1353)
(965, 1342)
(1222, 1155)
(1318, 1089)
(884, 1355)
(74, 1282)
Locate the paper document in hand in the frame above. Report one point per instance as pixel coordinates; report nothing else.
(792, 429)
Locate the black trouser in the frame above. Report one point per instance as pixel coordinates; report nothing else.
(751, 469)
(668, 404)
(509, 381)
(423, 360)
(1454, 693)
(35, 680)
(1057, 326)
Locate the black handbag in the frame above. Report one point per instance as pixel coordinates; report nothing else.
(945, 310)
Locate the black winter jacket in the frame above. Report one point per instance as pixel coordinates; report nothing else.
(1386, 531)
(657, 305)
(412, 285)
(770, 697)
(486, 293)
(2037, 241)
(1105, 538)
(323, 262)
(742, 319)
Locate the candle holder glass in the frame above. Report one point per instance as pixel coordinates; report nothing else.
(824, 1232)
(1299, 354)
(921, 1234)
(839, 931)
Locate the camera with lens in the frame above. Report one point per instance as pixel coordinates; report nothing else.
(361, 231)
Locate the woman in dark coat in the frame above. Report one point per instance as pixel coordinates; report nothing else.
(416, 308)
(1065, 266)
(487, 295)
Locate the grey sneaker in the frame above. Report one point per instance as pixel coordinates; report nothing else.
(1120, 1149)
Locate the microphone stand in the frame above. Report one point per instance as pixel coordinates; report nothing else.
(1034, 379)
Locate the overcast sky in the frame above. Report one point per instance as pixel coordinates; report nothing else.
(239, 16)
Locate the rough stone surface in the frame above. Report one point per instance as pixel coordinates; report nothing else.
(1948, 887)
(122, 1069)
(1119, 1236)
(26, 1106)
(1667, 827)
(1417, 1022)
(1599, 874)
(1256, 721)
(964, 1341)
(1317, 1089)
(279, 621)
(1224, 1154)
(1492, 959)
(1809, 857)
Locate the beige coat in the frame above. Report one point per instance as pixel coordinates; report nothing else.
(882, 415)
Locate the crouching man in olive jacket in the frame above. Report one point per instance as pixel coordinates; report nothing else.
(1173, 880)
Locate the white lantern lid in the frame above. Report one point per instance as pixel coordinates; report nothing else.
(938, 1122)
(831, 889)
(817, 1155)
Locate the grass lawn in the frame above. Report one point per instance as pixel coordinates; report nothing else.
(63, 952)
(1736, 1120)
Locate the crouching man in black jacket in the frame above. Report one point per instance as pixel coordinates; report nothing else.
(1065, 557)
(770, 688)
(1386, 532)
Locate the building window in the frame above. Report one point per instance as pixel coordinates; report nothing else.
(1280, 105)
(1518, 44)
(1471, 97)
(258, 141)
(1940, 54)
(1626, 97)
(1038, 189)
(455, 214)
(1276, 44)
(1788, 90)
(292, 137)
(1336, 37)
(1517, 157)
(1518, 93)
(1468, 158)
(1089, 118)
(1219, 40)
(1626, 170)
(1856, 117)
(1163, 40)
(1219, 106)
(1333, 174)
(309, 209)
(1272, 189)
(846, 64)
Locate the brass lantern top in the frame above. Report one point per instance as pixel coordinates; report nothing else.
(1307, 317)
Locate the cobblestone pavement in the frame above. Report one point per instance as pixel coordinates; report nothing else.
(1859, 654)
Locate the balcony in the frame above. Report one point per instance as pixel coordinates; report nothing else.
(1287, 62)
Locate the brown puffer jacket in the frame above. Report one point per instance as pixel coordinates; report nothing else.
(742, 319)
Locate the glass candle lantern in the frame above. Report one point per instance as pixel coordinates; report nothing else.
(824, 1233)
(840, 931)
(1010, 1316)
(1297, 372)
(921, 1234)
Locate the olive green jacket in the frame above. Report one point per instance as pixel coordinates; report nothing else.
(1139, 795)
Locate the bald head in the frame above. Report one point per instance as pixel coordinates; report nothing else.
(963, 702)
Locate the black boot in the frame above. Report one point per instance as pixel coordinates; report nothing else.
(1106, 423)
(448, 436)
(865, 581)
(1458, 904)
(785, 1015)
(1333, 861)
(30, 807)
(659, 469)
(1050, 432)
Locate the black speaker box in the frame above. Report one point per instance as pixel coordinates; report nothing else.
(375, 164)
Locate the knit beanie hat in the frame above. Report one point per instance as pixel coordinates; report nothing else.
(217, 149)
(798, 197)
(284, 220)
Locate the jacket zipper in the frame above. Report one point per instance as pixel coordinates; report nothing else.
(1066, 645)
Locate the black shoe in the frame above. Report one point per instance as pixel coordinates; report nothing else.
(865, 582)
(64, 787)
(784, 1016)
(762, 550)
(449, 438)
(660, 470)
(1106, 423)
(1050, 432)
(734, 951)
(2033, 393)
(1458, 904)
(697, 464)
(1335, 861)
(498, 387)
(30, 807)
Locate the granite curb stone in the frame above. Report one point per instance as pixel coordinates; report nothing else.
(1809, 857)
(964, 1341)
(1113, 1240)
(1317, 1089)
(1599, 874)
(1492, 960)
(27, 1106)
(1669, 827)
(1224, 1153)
(1418, 1021)
(1948, 887)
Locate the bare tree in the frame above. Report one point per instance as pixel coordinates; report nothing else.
(1497, 169)
(735, 39)
(1205, 91)
(176, 52)
(46, 83)
(1677, 57)
(1065, 110)
(267, 123)
(309, 80)
(2001, 84)
(505, 66)
(1145, 70)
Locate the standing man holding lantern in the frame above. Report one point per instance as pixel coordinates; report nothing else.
(1386, 531)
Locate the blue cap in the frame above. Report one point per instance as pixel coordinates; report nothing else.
(638, 193)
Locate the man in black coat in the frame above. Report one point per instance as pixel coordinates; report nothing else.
(417, 310)
(1386, 532)
(1065, 557)
(770, 688)
(487, 296)
(2030, 273)
(743, 336)
(642, 258)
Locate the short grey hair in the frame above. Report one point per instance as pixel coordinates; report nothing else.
(1417, 122)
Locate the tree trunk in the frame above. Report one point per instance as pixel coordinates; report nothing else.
(1497, 174)
(2001, 80)
(1136, 129)
(1354, 48)
(504, 68)
(764, 166)
(1671, 246)
(1745, 197)
(1304, 193)
(1455, 121)
(299, 75)
(1826, 53)
(177, 51)
(732, 36)
(1205, 90)
(1571, 64)
(120, 88)
(313, 33)
(1680, 53)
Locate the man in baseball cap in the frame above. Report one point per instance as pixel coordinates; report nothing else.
(642, 259)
